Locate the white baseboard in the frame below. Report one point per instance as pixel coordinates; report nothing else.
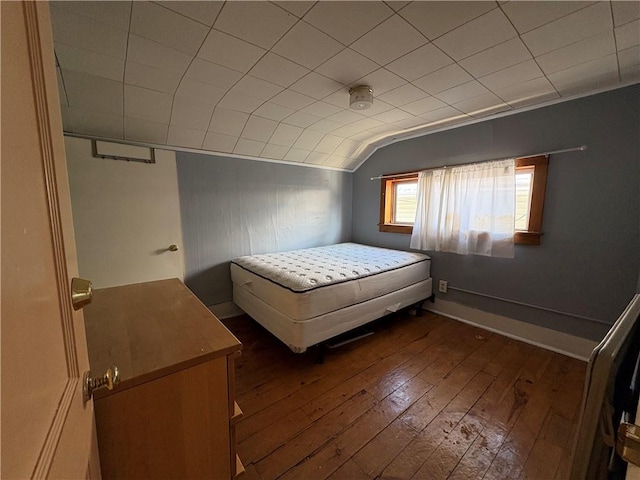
(226, 310)
(547, 338)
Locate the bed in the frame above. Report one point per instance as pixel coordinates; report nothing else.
(306, 297)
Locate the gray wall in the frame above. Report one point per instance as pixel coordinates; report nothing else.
(232, 207)
(589, 259)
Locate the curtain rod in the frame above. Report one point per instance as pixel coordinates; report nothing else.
(581, 148)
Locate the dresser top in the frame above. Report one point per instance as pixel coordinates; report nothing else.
(151, 329)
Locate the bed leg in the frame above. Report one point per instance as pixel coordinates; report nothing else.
(432, 298)
(419, 309)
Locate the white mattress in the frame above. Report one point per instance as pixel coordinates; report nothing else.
(308, 283)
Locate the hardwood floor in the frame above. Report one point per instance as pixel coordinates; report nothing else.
(424, 398)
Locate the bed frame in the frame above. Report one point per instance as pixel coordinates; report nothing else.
(299, 335)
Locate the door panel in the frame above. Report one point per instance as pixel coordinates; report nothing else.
(46, 426)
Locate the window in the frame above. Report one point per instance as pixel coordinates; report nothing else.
(398, 200)
(398, 203)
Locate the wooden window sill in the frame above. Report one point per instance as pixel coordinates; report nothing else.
(396, 228)
(520, 238)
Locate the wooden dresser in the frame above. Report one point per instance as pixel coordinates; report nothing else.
(173, 413)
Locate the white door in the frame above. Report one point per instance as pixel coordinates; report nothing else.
(47, 428)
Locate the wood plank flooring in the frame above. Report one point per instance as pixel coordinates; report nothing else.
(423, 398)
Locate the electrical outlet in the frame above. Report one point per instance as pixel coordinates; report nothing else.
(442, 286)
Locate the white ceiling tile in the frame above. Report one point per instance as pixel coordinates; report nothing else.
(230, 52)
(482, 105)
(240, 102)
(255, 87)
(260, 23)
(441, 114)
(577, 53)
(321, 109)
(443, 79)
(484, 32)
(325, 126)
(424, 105)
(185, 137)
(273, 111)
(397, 5)
(139, 130)
(462, 92)
(301, 119)
(93, 93)
(151, 78)
(572, 28)
(420, 62)
(408, 123)
(190, 113)
(527, 92)
(169, 28)
(378, 107)
(308, 140)
(86, 61)
(403, 95)
(276, 152)
(595, 74)
(296, 155)
(394, 115)
(630, 73)
(298, 8)
(248, 147)
(156, 55)
(83, 32)
(216, 142)
(347, 130)
(345, 116)
(316, 86)
(204, 92)
(364, 136)
(259, 129)
(629, 57)
(317, 158)
(203, 12)
(278, 70)
(114, 14)
(496, 58)
(228, 122)
(340, 99)
(434, 19)
(526, 16)
(96, 123)
(285, 135)
(628, 35)
(328, 144)
(381, 80)
(389, 41)
(346, 148)
(337, 18)
(519, 73)
(335, 161)
(292, 100)
(307, 46)
(208, 72)
(347, 66)
(625, 11)
(147, 104)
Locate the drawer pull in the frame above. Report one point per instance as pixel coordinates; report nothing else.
(110, 379)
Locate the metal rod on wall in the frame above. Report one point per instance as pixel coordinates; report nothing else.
(581, 148)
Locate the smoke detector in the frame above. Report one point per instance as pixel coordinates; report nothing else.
(360, 97)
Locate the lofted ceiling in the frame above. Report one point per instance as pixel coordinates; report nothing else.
(270, 80)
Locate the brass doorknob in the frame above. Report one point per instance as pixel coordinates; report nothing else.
(110, 379)
(81, 292)
(173, 248)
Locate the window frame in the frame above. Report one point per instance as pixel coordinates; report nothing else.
(531, 236)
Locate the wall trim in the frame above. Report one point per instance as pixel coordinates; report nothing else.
(225, 310)
(559, 342)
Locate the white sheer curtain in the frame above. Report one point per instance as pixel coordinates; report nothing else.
(468, 209)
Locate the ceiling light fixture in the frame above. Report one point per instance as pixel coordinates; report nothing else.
(360, 97)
